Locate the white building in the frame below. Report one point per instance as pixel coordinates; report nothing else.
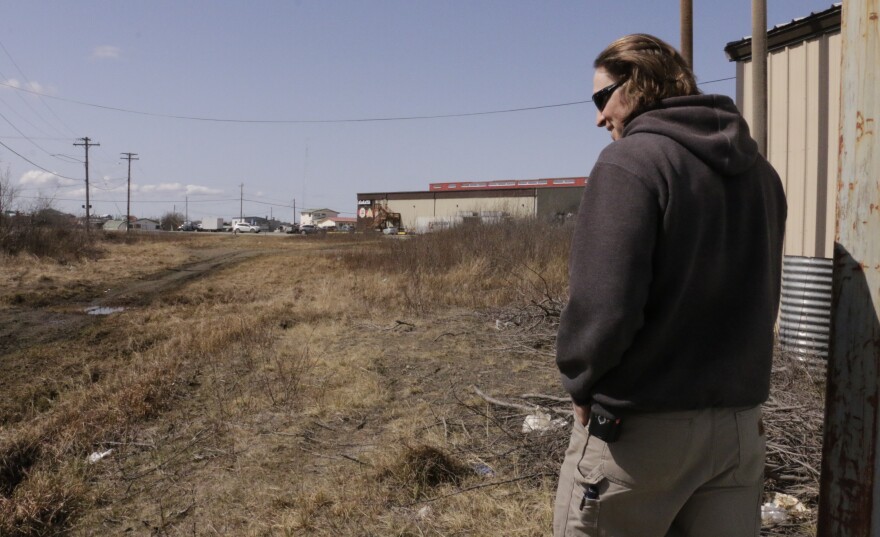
(316, 217)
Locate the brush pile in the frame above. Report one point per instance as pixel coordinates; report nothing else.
(793, 415)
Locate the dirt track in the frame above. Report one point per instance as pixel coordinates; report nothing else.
(54, 318)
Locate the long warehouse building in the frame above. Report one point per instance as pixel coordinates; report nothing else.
(449, 204)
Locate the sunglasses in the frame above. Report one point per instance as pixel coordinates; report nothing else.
(600, 98)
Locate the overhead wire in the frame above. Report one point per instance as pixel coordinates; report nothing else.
(22, 117)
(24, 158)
(27, 80)
(256, 121)
(306, 121)
(114, 200)
(26, 137)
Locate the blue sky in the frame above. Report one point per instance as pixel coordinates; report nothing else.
(295, 100)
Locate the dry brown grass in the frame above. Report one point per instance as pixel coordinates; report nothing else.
(476, 267)
(303, 386)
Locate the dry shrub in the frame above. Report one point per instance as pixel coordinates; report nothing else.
(58, 241)
(475, 266)
(794, 417)
(418, 471)
(42, 505)
(15, 461)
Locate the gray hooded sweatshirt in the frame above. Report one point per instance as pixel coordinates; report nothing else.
(675, 266)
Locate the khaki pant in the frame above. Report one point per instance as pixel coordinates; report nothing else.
(680, 474)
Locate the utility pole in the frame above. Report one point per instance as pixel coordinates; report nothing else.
(129, 157)
(87, 142)
(241, 203)
(759, 74)
(186, 209)
(849, 489)
(305, 171)
(294, 212)
(687, 32)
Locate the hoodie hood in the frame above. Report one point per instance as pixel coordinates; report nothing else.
(709, 126)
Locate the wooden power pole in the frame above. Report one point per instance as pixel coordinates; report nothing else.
(87, 142)
(687, 32)
(759, 74)
(849, 491)
(129, 157)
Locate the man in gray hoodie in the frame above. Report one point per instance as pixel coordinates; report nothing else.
(666, 343)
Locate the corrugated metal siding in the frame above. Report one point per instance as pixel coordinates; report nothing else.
(803, 97)
(522, 205)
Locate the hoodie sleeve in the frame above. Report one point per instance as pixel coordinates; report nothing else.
(609, 276)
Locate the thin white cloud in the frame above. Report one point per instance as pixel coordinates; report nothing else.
(30, 86)
(106, 52)
(43, 179)
(161, 187)
(196, 190)
(176, 188)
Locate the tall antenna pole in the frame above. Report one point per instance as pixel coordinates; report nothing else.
(241, 203)
(687, 31)
(87, 142)
(759, 74)
(305, 171)
(129, 157)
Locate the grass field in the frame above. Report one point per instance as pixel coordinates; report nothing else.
(283, 385)
(275, 386)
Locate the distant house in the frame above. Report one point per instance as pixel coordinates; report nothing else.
(114, 225)
(316, 216)
(145, 224)
(337, 222)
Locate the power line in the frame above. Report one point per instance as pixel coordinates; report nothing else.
(114, 200)
(24, 76)
(303, 121)
(286, 206)
(35, 144)
(50, 138)
(35, 164)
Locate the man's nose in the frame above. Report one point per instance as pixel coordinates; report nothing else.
(600, 119)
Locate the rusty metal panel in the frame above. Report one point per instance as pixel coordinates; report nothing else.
(850, 484)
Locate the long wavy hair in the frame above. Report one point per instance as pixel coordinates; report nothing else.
(652, 70)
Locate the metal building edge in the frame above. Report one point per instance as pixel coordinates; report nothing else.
(783, 35)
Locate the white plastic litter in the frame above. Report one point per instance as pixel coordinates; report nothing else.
(98, 455)
(772, 514)
(781, 508)
(425, 512)
(789, 503)
(541, 421)
(502, 325)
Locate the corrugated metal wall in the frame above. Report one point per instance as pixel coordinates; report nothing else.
(803, 103)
